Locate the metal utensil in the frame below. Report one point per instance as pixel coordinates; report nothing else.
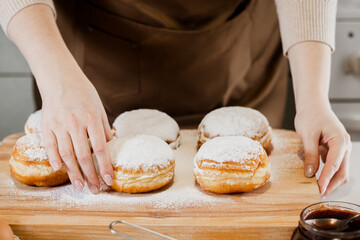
(112, 230)
(331, 223)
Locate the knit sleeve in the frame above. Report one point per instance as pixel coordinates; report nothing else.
(9, 8)
(307, 20)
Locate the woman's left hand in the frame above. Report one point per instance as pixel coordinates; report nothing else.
(324, 135)
(318, 127)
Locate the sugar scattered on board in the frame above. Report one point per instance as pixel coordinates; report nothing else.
(289, 154)
(181, 193)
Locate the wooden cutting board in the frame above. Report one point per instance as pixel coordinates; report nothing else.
(181, 210)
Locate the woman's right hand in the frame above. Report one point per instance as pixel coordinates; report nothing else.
(72, 113)
(72, 110)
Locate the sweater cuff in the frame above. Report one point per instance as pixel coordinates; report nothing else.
(9, 8)
(307, 20)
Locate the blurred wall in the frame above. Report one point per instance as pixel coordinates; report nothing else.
(16, 101)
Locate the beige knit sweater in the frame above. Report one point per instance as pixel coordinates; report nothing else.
(300, 20)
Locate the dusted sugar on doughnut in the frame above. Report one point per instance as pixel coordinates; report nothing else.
(235, 121)
(150, 122)
(33, 123)
(32, 147)
(142, 163)
(29, 163)
(231, 164)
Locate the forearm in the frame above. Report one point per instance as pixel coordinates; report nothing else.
(35, 33)
(310, 64)
(72, 109)
(316, 124)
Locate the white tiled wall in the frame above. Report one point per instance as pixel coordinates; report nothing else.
(16, 101)
(345, 82)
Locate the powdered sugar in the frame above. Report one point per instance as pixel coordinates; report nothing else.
(182, 197)
(140, 152)
(235, 121)
(34, 122)
(32, 146)
(181, 193)
(288, 150)
(231, 148)
(146, 121)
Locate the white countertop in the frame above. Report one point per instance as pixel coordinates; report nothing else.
(351, 191)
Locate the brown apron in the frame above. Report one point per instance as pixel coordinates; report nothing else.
(183, 57)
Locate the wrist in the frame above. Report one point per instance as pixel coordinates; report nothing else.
(312, 102)
(59, 76)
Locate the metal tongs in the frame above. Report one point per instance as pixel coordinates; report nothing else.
(112, 230)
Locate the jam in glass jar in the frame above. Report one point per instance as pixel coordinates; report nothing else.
(331, 209)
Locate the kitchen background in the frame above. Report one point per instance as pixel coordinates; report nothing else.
(16, 101)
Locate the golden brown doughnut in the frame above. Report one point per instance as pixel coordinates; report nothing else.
(149, 122)
(235, 121)
(29, 163)
(231, 164)
(142, 163)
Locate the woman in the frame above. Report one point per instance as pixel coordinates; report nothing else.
(182, 57)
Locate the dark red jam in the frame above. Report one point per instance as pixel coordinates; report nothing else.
(337, 214)
(337, 210)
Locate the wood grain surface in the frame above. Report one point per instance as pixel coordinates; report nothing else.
(270, 212)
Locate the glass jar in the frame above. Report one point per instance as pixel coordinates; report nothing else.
(330, 209)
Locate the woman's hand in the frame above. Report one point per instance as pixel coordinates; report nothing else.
(72, 110)
(316, 124)
(323, 135)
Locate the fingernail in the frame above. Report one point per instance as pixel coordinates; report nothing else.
(93, 189)
(79, 186)
(108, 179)
(323, 192)
(55, 166)
(309, 171)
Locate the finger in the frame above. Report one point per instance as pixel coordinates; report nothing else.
(84, 158)
(98, 141)
(341, 177)
(66, 152)
(323, 151)
(333, 160)
(311, 148)
(52, 149)
(107, 128)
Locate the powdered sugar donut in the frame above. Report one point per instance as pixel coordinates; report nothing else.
(235, 121)
(150, 122)
(231, 164)
(142, 163)
(33, 123)
(29, 163)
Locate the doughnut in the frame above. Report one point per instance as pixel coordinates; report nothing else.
(235, 121)
(29, 163)
(149, 122)
(33, 123)
(141, 163)
(231, 164)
